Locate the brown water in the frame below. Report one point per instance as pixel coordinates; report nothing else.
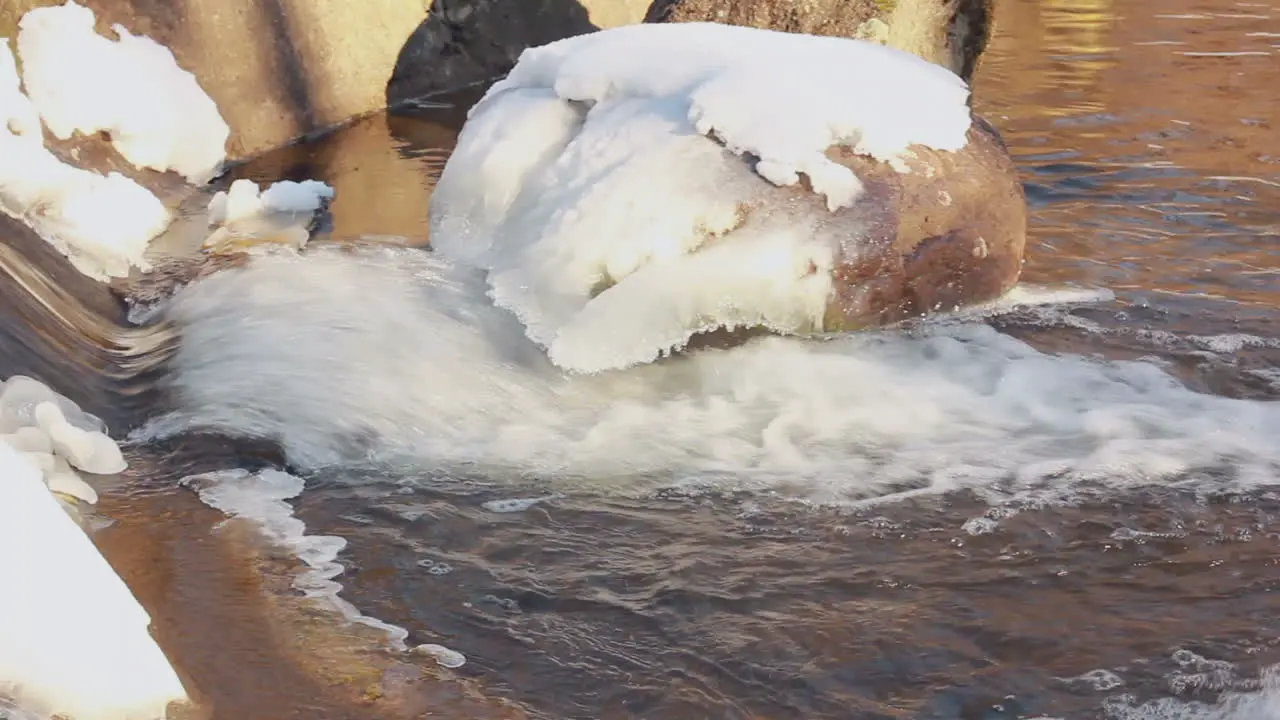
(1144, 131)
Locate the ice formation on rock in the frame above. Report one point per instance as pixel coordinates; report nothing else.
(56, 436)
(283, 213)
(262, 498)
(619, 186)
(103, 224)
(156, 113)
(73, 640)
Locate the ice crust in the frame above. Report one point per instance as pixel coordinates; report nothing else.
(262, 498)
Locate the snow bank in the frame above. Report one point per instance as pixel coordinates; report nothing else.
(157, 115)
(614, 184)
(103, 224)
(73, 640)
(284, 212)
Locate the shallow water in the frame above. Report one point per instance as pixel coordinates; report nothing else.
(1061, 509)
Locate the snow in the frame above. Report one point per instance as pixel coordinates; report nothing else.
(156, 113)
(284, 211)
(57, 436)
(618, 187)
(245, 200)
(103, 224)
(73, 639)
(17, 115)
(782, 97)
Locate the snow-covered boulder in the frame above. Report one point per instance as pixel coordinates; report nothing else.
(633, 188)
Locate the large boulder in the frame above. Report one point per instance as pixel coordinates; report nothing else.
(632, 191)
(952, 230)
(948, 233)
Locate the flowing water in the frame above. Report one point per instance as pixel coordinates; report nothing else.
(1060, 507)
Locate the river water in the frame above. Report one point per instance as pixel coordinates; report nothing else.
(1063, 507)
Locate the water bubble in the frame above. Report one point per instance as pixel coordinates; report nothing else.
(435, 568)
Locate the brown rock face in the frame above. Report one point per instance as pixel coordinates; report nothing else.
(947, 234)
(277, 69)
(839, 18)
(950, 232)
(950, 33)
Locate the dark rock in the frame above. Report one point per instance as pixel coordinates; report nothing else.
(464, 42)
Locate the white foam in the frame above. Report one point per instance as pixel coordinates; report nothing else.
(1099, 680)
(73, 640)
(615, 227)
(157, 115)
(262, 498)
(1233, 342)
(515, 505)
(103, 224)
(395, 356)
(1239, 698)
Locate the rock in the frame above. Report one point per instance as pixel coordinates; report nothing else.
(840, 18)
(951, 33)
(947, 234)
(144, 292)
(464, 42)
(277, 69)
